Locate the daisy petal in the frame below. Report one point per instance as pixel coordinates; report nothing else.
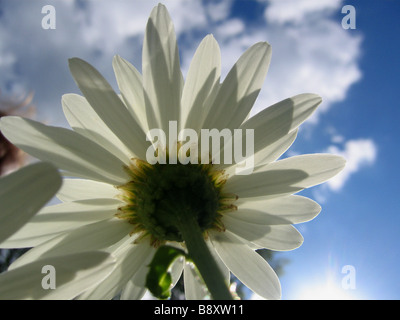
(136, 286)
(240, 89)
(53, 220)
(81, 189)
(162, 77)
(65, 148)
(274, 237)
(275, 127)
(274, 150)
(176, 270)
(84, 120)
(23, 193)
(96, 236)
(194, 286)
(130, 84)
(281, 118)
(204, 72)
(264, 156)
(283, 210)
(129, 260)
(132, 291)
(248, 266)
(221, 265)
(74, 274)
(109, 106)
(286, 176)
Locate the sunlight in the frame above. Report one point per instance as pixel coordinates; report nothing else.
(327, 291)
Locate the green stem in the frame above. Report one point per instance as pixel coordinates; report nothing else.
(202, 258)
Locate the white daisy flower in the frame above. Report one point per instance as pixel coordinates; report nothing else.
(116, 201)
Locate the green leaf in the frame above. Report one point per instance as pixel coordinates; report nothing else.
(158, 279)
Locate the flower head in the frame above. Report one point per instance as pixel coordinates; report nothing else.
(154, 191)
(119, 202)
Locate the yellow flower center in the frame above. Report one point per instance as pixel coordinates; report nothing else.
(161, 196)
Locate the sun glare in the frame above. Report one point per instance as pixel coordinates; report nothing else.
(327, 291)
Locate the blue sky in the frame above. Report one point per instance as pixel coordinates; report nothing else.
(356, 71)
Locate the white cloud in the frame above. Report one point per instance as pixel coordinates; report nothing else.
(359, 154)
(336, 137)
(230, 28)
(308, 55)
(295, 11)
(218, 10)
(34, 59)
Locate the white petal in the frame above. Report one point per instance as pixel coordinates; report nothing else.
(274, 150)
(204, 72)
(280, 119)
(194, 286)
(131, 87)
(221, 265)
(176, 270)
(286, 176)
(130, 258)
(248, 266)
(275, 127)
(208, 104)
(162, 77)
(274, 237)
(80, 189)
(283, 210)
(132, 291)
(109, 106)
(84, 120)
(52, 220)
(136, 286)
(73, 274)
(65, 148)
(264, 156)
(23, 193)
(240, 89)
(96, 236)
